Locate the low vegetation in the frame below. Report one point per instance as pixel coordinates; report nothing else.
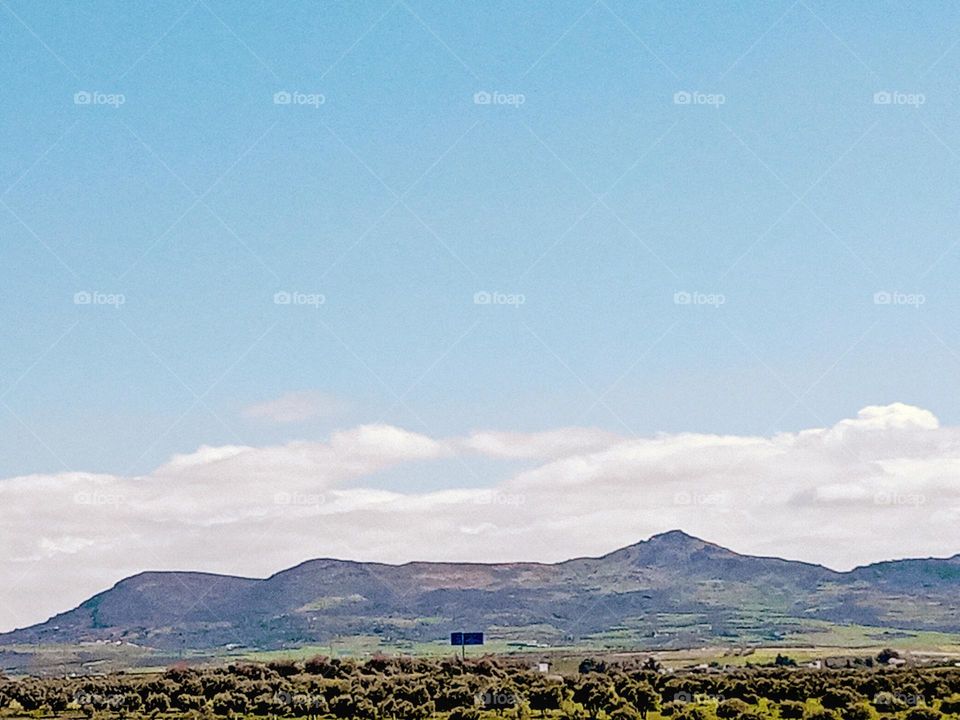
(407, 688)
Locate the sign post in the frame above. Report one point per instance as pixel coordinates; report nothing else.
(462, 639)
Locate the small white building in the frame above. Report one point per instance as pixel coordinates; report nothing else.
(543, 666)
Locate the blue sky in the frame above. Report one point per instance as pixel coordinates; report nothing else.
(398, 198)
(353, 276)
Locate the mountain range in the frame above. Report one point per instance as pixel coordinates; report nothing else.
(673, 590)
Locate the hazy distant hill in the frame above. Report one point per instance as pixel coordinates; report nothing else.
(671, 590)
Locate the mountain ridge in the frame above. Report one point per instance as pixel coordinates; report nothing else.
(670, 590)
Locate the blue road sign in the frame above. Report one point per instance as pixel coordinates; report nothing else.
(466, 638)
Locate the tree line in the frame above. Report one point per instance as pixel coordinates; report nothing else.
(407, 688)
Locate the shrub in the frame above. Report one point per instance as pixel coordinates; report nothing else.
(732, 709)
(692, 712)
(836, 698)
(185, 702)
(857, 711)
(464, 713)
(922, 712)
(156, 702)
(624, 712)
(819, 714)
(791, 709)
(951, 704)
(284, 668)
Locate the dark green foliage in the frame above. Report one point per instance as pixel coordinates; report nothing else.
(465, 713)
(839, 698)
(156, 702)
(921, 712)
(544, 696)
(692, 712)
(385, 688)
(857, 711)
(624, 712)
(732, 709)
(640, 695)
(951, 705)
(284, 668)
(596, 694)
(227, 703)
(589, 665)
(791, 709)
(57, 700)
(185, 702)
(886, 655)
(820, 714)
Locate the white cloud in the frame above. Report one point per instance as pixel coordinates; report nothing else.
(550, 444)
(883, 484)
(294, 407)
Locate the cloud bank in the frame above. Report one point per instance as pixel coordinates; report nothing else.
(881, 485)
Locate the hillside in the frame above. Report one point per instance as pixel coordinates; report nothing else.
(672, 590)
